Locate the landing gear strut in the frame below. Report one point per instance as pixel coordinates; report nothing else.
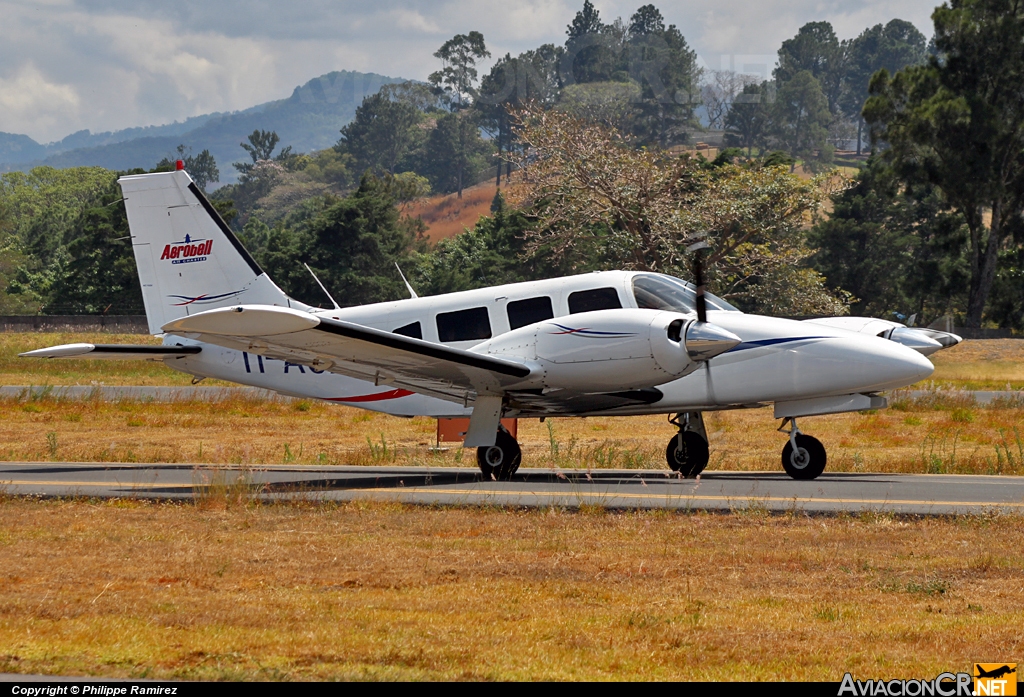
(687, 452)
(501, 460)
(804, 456)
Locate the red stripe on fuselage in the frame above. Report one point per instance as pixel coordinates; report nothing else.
(393, 394)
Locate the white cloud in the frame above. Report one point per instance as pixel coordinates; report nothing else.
(29, 102)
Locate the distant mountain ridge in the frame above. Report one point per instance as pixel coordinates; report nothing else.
(310, 119)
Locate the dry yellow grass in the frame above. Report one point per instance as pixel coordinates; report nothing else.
(26, 371)
(936, 436)
(379, 591)
(994, 364)
(448, 215)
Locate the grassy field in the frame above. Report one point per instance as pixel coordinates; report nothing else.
(365, 590)
(227, 588)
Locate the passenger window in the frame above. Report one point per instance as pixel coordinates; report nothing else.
(597, 299)
(523, 312)
(412, 330)
(464, 325)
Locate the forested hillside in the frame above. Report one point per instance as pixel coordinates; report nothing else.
(590, 148)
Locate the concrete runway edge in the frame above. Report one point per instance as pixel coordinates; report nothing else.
(614, 489)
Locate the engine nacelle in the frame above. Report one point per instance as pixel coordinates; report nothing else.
(922, 339)
(609, 350)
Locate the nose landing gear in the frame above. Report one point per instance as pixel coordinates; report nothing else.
(804, 456)
(687, 452)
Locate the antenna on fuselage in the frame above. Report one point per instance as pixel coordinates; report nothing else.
(336, 305)
(412, 293)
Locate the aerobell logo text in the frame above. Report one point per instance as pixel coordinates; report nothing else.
(186, 251)
(943, 685)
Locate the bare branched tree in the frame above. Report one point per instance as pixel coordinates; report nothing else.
(718, 92)
(585, 182)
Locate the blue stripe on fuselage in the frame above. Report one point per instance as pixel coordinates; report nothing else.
(761, 343)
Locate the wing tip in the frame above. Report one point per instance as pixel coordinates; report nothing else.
(61, 351)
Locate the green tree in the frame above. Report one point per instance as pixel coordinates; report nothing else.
(894, 248)
(815, 49)
(892, 47)
(454, 153)
(748, 123)
(202, 167)
(591, 53)
(645, 21)
(260, 148)
(261, 144)
(611, 103)
(351, 245)
(513, 82)
(15, 299)
(492, 253)
(382, 134)
(801, 117)
(44, 204)
(957, 123)
(101, 276)
(457, 76)
(665, 67)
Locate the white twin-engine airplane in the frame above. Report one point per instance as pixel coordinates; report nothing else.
(608, 343)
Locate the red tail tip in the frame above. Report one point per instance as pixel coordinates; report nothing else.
(179, 164)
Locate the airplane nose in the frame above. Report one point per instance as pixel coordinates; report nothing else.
(908, 367)
(704, 341)
(915, 339)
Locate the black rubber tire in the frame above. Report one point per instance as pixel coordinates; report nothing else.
(501, 460)
(691, 458)
(807, 464)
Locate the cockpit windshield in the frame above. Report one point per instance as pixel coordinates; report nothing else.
(660, 292)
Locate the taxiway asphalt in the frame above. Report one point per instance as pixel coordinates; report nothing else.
(618, 489)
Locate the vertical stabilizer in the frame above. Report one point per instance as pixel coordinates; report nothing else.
(188, 259)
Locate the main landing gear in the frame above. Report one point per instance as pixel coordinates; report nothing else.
(687, 452)
(501, 460)
(804, 456)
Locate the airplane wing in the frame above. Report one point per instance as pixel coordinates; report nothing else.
(117, 352)
(355, 350)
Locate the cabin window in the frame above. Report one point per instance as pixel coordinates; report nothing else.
(661, 292)
(524, 312)
(656, 293)
(414, 330)
(464, 325)
(596, 299)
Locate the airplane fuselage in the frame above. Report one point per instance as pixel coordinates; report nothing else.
(779, 360)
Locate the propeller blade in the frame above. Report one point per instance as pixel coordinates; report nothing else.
(698, 278)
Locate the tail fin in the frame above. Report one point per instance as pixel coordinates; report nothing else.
(188, 258)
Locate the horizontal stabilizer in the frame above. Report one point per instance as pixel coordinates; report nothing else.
(244, 320)
(119, 352)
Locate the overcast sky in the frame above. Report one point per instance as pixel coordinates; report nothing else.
(111, 64)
